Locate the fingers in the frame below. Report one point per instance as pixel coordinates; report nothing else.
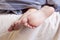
(11, 28)
(14, 26)
(25, 22)
(17, 26)
(27, 25)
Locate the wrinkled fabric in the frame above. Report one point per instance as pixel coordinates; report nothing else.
(20, 4)
(49, 30)
(56, 3)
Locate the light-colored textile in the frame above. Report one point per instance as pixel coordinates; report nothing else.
(4, 22)
(49, 30)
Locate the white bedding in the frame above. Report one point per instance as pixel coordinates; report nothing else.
(6, 21)
(46, 31)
